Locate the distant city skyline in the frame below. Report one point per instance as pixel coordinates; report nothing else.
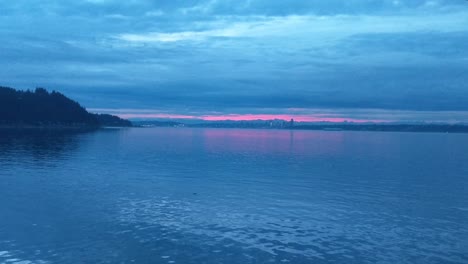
(335, 60)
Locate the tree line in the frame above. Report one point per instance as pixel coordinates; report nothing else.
(42, 108)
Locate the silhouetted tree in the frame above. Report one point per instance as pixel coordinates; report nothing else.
(110, 120)
(43, 108)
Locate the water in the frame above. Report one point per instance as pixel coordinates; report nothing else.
(179, 195)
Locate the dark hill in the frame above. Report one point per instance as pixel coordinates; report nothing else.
(41, 108)
(110, 120)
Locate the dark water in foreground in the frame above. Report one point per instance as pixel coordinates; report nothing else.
(233, 196)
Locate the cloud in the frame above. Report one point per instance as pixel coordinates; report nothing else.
(311, 27)
(98, 1)
(179, 36)
(241, 56)
(154, 13)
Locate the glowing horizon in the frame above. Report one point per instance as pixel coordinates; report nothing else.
(249, 117)
(298, 114)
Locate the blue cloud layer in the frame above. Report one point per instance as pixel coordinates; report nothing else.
(241, 55)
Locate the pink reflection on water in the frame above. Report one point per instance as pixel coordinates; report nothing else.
(272, 141)
(288, 143)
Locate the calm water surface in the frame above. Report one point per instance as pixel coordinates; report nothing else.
(179, 195)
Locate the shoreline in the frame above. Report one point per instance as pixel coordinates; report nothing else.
(49, 127)
(453, 129)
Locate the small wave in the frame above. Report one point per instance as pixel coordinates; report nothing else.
(7, 257)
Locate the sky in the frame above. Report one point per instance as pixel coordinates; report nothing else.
(312, 60)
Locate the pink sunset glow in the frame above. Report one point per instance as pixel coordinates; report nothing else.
(249, 117)
(298, 118)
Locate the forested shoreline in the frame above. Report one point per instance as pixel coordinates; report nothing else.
(41, 108)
